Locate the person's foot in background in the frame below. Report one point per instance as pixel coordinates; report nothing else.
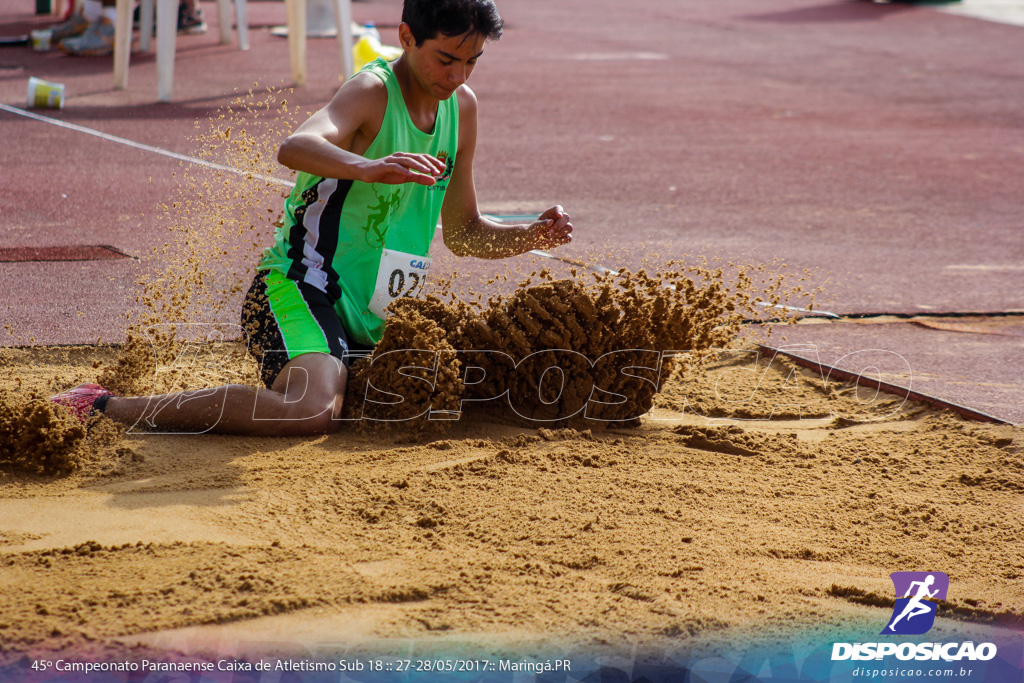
(97, 41)
(75, 25)
(190, 17)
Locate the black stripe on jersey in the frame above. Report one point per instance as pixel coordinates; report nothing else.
(328, 243)
(296, 237)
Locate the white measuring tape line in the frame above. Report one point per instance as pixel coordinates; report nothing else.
(139, 145)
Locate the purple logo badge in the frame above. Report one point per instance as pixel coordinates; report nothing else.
(914, 612)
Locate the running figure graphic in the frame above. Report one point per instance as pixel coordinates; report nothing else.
(377, 223)
(916, 605)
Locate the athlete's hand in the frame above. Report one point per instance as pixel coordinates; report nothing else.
(403, 167)
(552, 229)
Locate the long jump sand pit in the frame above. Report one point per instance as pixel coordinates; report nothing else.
(690, 529)
(731, 498)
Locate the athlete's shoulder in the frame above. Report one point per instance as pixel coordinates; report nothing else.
(466, 98)
(362, 101)
(364, 89)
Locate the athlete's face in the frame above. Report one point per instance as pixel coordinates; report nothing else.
(442, 63)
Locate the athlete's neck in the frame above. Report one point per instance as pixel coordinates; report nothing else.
(422, 106)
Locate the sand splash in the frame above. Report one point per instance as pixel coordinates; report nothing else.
(181, 332)
(40, 438)
(591, 350)
(36, 436)
(188, 299)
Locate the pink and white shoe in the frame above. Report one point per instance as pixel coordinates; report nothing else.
(80, 399)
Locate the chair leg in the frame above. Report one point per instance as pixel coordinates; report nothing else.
(166, 33)
(297, 39)
(122, 43)
(224, 19)
(242, 20)
(146, 25)
(343, 18)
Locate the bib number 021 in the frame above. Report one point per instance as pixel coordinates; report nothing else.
(399, 274)
(396, 283)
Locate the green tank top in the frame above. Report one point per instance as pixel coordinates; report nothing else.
(366, 243)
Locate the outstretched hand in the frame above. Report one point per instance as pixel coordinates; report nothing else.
(552, 229)
(403, 167)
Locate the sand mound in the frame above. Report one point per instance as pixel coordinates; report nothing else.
(558, 352)
(37, 436)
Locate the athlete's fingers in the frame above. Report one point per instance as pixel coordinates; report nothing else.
(434, 164)
(413, 163)
(422, 179)
(397, 173)
(554, 213)
(417, 163)
(409, 168)
(562, 231)
(428, 159)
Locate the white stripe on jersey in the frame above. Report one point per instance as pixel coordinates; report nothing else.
(314, 261)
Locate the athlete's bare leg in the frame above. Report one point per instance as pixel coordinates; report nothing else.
(303, 400)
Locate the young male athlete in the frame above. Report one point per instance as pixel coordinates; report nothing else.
(390, 153)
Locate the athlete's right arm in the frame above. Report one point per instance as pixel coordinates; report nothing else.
(330, 143)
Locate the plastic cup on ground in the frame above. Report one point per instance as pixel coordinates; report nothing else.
(44, 94)
(41, 39)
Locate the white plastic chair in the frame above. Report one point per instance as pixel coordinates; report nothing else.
(166, 33)
(297, 37)
(167, 29)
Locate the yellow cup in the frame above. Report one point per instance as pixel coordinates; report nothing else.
(41, 39)
(44, 94)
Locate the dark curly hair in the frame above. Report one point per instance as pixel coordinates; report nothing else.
(427, 18)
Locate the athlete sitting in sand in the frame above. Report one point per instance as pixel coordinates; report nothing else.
(391, 152)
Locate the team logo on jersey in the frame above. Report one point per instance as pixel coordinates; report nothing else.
(449, 165)
(914, 613)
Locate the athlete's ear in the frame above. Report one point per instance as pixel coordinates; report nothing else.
(405, 37)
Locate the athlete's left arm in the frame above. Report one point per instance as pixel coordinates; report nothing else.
(465, 231)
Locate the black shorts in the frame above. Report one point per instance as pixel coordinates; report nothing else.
(283, 319)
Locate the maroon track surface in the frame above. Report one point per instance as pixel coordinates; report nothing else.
(877, 144)
(977, 368)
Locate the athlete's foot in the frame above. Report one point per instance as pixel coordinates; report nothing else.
(80, 400)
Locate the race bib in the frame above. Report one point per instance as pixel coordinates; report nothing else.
(399, 274)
